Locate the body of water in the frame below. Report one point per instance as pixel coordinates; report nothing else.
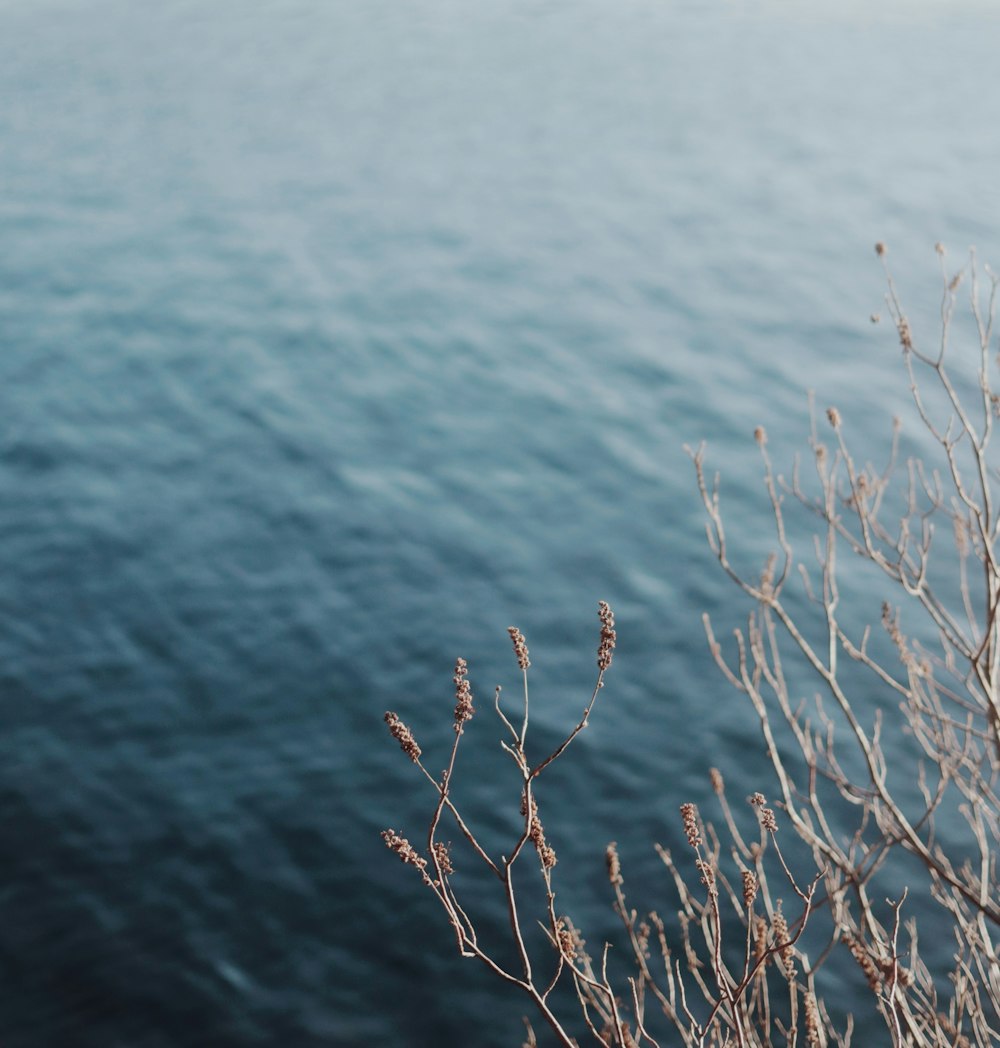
(335, 337)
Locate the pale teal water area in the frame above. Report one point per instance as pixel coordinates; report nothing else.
(335, 337)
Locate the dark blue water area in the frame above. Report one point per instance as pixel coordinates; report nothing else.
(334, 339)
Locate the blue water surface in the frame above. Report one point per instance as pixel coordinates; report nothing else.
(336, 337)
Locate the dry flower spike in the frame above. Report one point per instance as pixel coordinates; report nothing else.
(463, 695)
(402, 734)
(520, 647)
(609, 637)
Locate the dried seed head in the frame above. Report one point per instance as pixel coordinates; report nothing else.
(750, 886)
(757, 800)
(689, 813)
(443, 856)
(575, 940)
(905, 335)
(866, 964)
(779, 926)
(707, 872)
(605, 651)
(718, 784)
(768, 821)
(893, 970)
(939, 248)
(890, 623)
(759, 939)
(875, 318)
(402, 847)
(833, 417)
(813, 1025)
(760, 435)
(880, 249)
(779, 929)
(402, 734)
(614, 864)
(536, 834)
(463, 695)
(565, 939)
(520, 647)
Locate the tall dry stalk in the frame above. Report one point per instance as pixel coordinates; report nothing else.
(887, 762)
(436, 868)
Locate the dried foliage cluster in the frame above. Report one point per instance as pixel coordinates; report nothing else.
(884, 744)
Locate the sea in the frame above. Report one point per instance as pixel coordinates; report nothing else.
(338, 336)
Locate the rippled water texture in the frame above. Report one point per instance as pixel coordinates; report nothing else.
(334, 338)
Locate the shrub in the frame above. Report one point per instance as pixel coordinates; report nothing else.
(737, 967)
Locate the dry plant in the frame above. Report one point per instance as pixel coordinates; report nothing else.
(884, 743)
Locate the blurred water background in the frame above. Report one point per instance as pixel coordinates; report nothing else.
(335, 337)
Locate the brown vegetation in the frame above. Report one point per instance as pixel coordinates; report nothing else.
(731, 966)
